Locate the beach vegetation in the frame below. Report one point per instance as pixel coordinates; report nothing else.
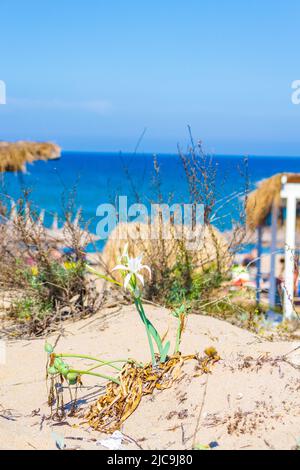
(132, 380)
(133, 281)
(51, 286)
(180, 273)
(181, 315)
(27, 308)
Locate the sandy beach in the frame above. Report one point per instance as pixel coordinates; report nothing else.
(149, 229)
(250, 400)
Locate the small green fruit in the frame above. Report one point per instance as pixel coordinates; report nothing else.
(52, 370)
(48, 348)
(64, 369)
(58, 363)
(72, 378)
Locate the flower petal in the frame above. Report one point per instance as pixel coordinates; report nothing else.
(127, 280)
(144, 266)
(120, 267)
(140, 277)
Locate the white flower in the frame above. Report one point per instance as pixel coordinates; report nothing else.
(133, 266)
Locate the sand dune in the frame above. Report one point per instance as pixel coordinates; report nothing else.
(250, 400)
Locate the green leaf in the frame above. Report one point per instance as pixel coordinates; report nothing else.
(155, 335)
(181, 309)
(164, 352)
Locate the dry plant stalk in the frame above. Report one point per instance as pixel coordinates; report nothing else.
(120, 401)
(166, 257)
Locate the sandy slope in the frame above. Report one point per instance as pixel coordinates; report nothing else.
(251, 400)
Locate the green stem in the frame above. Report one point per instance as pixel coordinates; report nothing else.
(104, 364)
(138, 364)
(142, 314)
(153, 332)
(86, 372)
(91, 358)
(178, 335)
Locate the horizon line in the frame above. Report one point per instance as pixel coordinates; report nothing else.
(118, 152)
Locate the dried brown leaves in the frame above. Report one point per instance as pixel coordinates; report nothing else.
(120, 401)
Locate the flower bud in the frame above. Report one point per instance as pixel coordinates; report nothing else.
(59, 364)
(72, 378)
(52, 370)
(64, 369)
(48, 348)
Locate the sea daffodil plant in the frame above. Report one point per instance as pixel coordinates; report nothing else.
(133, 281)
(130, 269)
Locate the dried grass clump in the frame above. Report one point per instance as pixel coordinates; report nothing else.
(14, 156)
(260, 201)
(162, 252)
(50, 289)
(120, 401)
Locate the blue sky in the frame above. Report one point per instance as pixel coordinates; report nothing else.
(91, 75)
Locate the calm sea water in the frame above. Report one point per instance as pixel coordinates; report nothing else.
(100, 177)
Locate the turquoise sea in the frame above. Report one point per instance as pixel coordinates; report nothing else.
(95, 178)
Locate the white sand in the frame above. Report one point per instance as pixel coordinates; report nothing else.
(251, 399)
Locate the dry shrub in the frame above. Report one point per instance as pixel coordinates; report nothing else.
(180, 272)
(166, 256)
(138, 237)
(52, 289)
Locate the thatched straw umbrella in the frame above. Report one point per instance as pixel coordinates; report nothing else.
(269, 200)
(267, 196)
(14, 156)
